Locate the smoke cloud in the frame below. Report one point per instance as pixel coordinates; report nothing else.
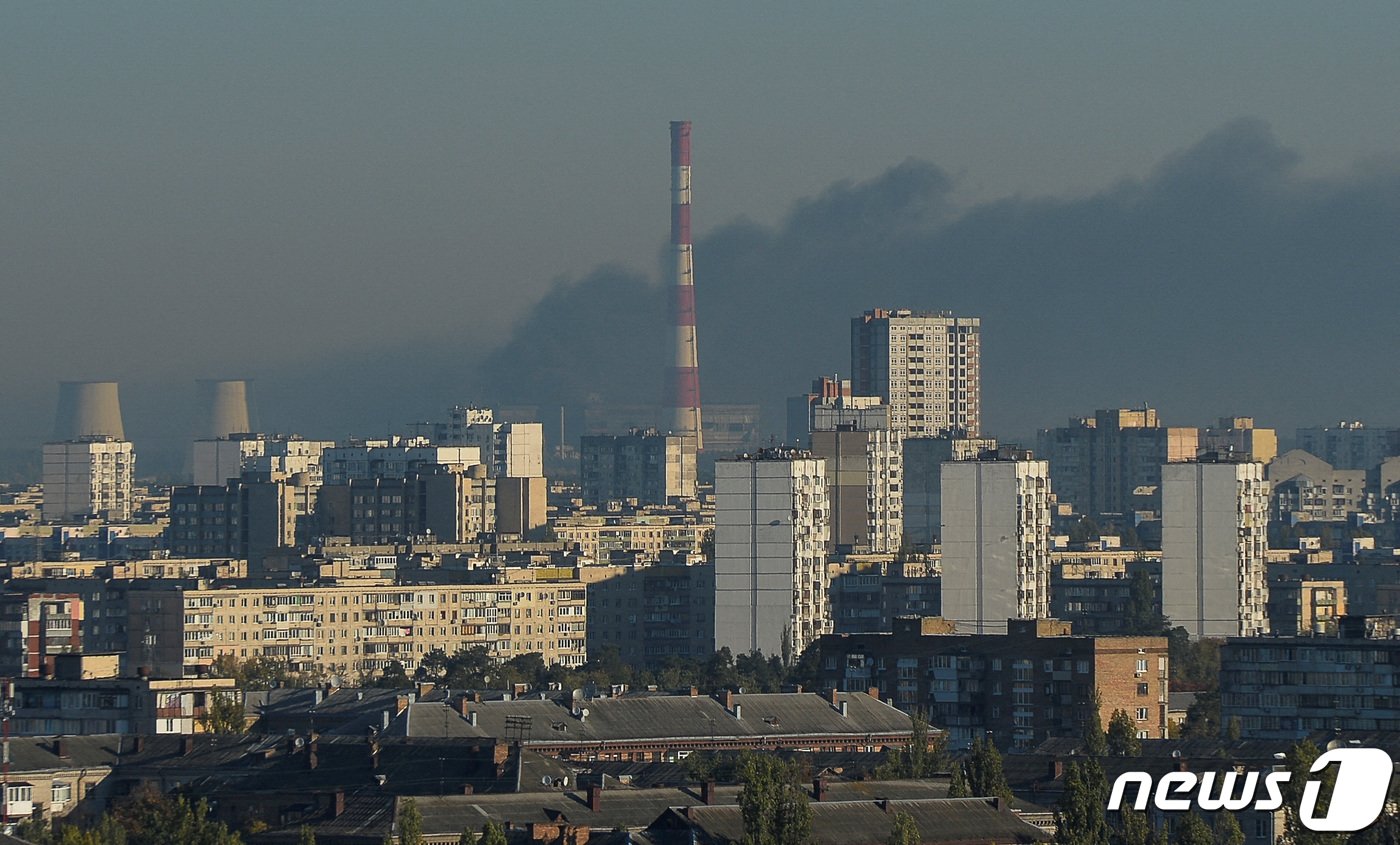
(1225, 281)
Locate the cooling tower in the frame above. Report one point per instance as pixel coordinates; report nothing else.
(88, 409)
(225, 407)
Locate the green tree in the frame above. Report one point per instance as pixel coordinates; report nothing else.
(905, 830)
(957, 784)
(1299, 760)
(1133, 828)
(1122, 740)
(468, 837)
(1233, 729)
(1194, 831)
(1095, 744)
(493, 834)
(307, 835)
(1080, 818)
(256, 673)
(1203, 717)
(224, 713)
(150, 818)
(1084, 530)
(985, 777)
(410, 823)
(393, 676)
(1227, 829)
(925, 756)
(774, 808)
(1142, 615)
(1194, 665)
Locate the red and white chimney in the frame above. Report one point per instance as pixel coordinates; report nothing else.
(685, 376)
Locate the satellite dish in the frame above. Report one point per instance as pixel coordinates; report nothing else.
(583, 712)
(547, 781)
(1176, 753)
(578, 694)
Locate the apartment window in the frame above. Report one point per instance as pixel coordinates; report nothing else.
(1142, 689)
(1142, 664)
(21, 792)
(62, 792)
(1142, 714)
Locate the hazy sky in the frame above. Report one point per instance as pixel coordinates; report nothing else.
(281, 189)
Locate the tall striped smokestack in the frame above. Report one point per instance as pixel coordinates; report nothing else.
(88, 409)
(685, 376)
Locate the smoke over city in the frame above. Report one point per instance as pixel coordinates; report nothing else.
(1225, 281)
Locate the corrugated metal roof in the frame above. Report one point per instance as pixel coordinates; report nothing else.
(945, 821)
(660, 717)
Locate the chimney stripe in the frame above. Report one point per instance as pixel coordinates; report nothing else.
(684, 381)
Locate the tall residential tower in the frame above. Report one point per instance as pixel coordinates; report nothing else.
(926, 366)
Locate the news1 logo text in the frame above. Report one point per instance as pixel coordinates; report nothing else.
(1358, 797)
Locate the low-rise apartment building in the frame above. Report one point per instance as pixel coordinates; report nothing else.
(1032, 683)
(1289, 687)
(651, 533)
(650, 614)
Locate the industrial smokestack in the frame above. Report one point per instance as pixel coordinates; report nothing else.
(88, 409)
(225, 405)
(684, 396)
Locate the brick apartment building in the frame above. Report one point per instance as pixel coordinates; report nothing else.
(1025, 686)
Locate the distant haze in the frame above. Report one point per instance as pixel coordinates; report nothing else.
(377, 213)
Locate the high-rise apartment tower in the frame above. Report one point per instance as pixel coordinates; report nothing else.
(926, 366)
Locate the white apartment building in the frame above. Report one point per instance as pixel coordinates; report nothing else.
(91, 476)
(510, 450)
(1215, 519)
(393, 458)
(772, 525)
(864, 472)
(218, 460)
(996, 540)
(925, 366)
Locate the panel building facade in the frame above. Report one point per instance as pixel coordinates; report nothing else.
(88, 477)
(864, 476)
(645, 465)
(996, 540)
(1215, 548)
(772, 526)
(926, 366)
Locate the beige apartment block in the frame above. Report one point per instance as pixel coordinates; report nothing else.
(354, 628)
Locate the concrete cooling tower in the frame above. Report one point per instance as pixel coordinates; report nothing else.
(88, 409)
(225, 408)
